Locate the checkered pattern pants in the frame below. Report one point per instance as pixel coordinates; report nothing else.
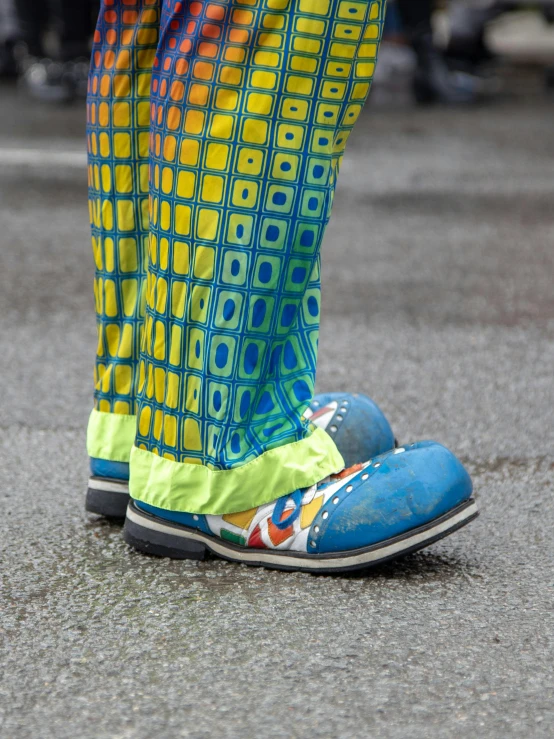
(216, 130)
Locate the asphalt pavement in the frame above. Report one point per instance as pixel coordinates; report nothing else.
(439, 303)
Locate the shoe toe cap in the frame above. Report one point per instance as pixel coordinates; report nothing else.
(406, 489)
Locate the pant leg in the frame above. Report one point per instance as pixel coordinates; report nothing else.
(118, 115)
(33, 20)
(416, 14)
(251, 107)
(10, 27)
(73, 23)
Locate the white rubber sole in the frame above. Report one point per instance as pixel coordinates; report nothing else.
(153, 535)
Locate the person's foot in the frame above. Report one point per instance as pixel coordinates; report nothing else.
(434, 82)
(392, 505)
(354, 422)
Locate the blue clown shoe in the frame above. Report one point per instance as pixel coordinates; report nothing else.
(355, 423)
(392, 505)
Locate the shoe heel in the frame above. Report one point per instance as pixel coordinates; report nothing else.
(107, 497)
(161, 544)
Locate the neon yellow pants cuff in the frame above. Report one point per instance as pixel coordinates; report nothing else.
(193, 488)
(111, 436)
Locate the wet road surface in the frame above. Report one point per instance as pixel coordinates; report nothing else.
(438, 302)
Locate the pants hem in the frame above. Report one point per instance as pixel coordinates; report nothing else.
(193, 488)
(111, 436)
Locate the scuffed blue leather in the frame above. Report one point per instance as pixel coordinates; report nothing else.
(408, 490)
(185, 519)
(364, 433)
(104, 468)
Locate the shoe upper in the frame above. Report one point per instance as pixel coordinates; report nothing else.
(354, 422)
(391, 495)
(106, 468)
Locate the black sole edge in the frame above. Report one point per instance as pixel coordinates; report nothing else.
(107, 504)
(160, 544)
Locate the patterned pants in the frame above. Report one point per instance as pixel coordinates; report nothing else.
(215, 132)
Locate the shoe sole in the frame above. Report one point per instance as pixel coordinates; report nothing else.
(153, 535)
(107, 497)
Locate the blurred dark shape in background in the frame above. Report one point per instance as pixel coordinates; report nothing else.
(9, 36)
(444, 47)
(45, 46)
(433, 80)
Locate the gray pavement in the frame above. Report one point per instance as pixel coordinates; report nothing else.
(438, 301)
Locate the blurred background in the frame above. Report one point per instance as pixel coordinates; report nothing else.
(438, 273)
(455, 52)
